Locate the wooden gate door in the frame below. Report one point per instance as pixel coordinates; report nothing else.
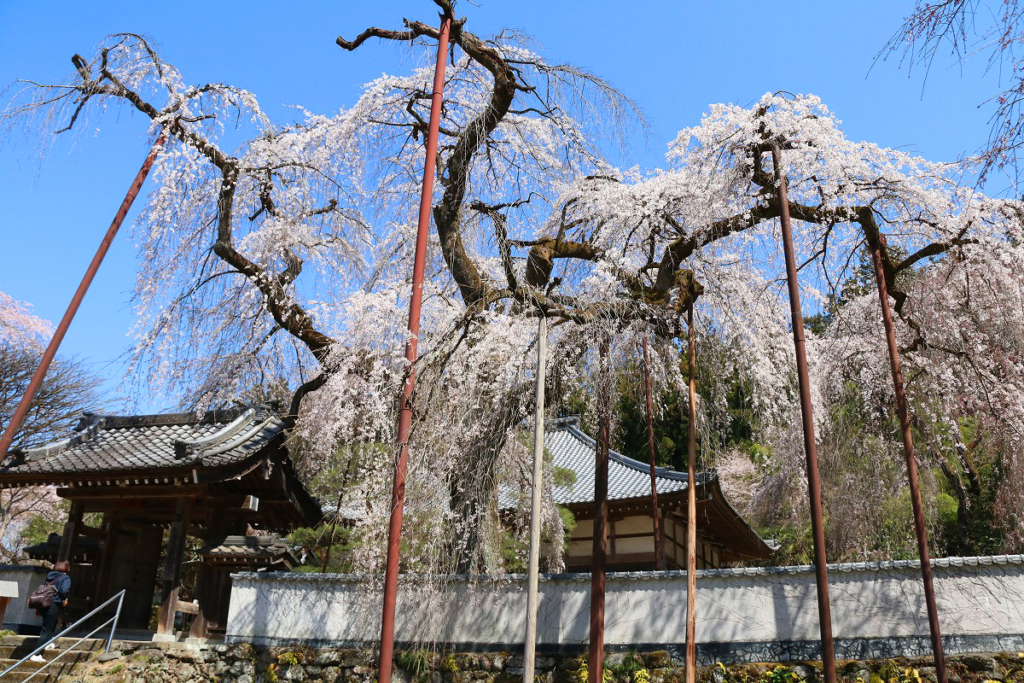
(136, 556)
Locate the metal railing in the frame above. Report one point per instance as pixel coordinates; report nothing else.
(112, 622)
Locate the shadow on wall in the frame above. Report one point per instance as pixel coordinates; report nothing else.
(977, 597)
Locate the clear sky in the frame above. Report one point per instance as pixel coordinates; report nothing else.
(674, 58)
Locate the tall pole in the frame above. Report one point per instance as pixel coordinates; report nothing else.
(908, 450)
(650, 447)
(530, 644)
(387, 628)
(691, 512)
(51, 350)
(828, 657)
(595, 662)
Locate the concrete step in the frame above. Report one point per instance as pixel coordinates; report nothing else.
(10, 653)
(16, 647)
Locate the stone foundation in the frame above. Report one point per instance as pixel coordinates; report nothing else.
(243, 663)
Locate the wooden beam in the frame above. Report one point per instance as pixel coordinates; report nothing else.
(140, 492)
(188, 607)
(172, 567)
(92, 532)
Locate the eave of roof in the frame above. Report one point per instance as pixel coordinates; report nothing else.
(172, 446)
(630, 483)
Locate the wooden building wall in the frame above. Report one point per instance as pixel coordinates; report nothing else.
(631, 544)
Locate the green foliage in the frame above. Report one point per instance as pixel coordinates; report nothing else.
(892, 672)
(581, 671)
(628, 668)
(581, 674)
(417, 663)
(671, 425)
(780, 674)
(568, 520)
(38, 529)
(562, 476)
(514, 549)
(289, 658)
(448, 664)
(317, 541)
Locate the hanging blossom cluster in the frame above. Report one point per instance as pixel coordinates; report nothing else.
(19, 327)
(286, 262)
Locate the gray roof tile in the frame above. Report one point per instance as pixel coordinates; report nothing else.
(572, 449)
(144, 442)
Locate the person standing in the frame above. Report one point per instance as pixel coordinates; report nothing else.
(60, 580)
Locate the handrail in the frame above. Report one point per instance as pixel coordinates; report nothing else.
(119, 596)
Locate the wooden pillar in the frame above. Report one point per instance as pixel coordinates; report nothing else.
(104, 573)
(172, 567)
(71, 529)
(206, 582)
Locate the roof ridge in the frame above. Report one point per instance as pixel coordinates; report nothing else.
(186, 418)
(186, 448)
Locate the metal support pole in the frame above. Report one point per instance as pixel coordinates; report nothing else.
(650, 446)
(828, 658)
(51, 350)
(600, 546)
(908, 450)
(530, 644)
(387, 630)
(691, 511)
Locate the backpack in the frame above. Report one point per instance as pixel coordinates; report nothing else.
(43, 596)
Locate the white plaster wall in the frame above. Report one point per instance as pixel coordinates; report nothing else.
(28, 579)
(982, 596)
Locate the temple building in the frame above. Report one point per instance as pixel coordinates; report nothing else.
(723, 537)
(147, 484)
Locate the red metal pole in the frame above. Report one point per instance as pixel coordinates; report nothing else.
(908, 450)
(650, 445)
(828, 657)
(76, 300)
(595, 662)
(387, 629)
(691, 511)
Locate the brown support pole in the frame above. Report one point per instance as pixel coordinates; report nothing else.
(691, 511)
(828, 657)
(908, 450)
(172, 567)
(650, 446)
(387, 630)
(51, 350)
(600, 547)
(71, 529)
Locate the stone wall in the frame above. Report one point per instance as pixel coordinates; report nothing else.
(145, 663)
(744, 615)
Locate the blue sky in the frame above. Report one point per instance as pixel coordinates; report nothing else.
(672, 58)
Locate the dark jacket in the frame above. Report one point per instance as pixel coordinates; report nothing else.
(63, 584)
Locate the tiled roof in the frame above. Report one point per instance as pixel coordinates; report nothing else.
(251, 547)
(572, 449)
(145, 442)
(581, 577)
(51, 546)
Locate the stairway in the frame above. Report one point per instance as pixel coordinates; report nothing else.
(13, 648)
